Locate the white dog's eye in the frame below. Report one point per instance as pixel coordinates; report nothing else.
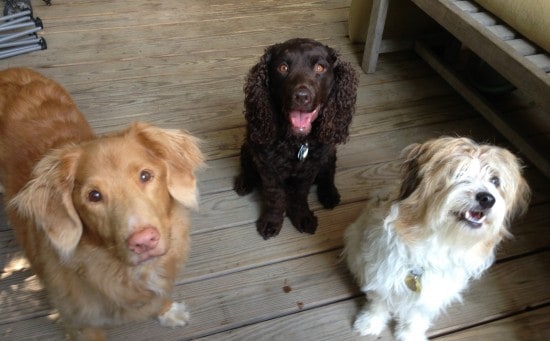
(95, 196)
(495, 181)
(145, 176)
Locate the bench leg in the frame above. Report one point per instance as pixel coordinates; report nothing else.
(374, 35)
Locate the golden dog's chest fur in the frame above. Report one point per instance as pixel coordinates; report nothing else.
(76, 201)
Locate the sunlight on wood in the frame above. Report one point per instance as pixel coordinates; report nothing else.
(17, 263)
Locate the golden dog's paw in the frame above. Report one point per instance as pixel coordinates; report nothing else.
(176, 316)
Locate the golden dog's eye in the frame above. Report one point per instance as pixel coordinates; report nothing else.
(145, 176)
(495, 181)
(95, 196)
(283, 68)
(319, 68)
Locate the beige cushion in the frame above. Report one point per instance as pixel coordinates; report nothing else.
(404, 20)
(531, 18)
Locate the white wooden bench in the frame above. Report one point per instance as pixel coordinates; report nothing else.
(521, 62)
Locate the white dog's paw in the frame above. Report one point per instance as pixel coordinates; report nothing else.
(411, 335)
(367, 324)
(176, 316)
(412, 330)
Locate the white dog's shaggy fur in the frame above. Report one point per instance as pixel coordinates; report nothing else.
(413, 256)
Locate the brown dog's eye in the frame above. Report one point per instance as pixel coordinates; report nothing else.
(319, 68)
(145, 176)
(283, 68)
(95, 196)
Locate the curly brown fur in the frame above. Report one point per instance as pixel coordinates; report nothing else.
(300, 91)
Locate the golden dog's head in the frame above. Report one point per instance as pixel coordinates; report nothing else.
(463, 191)
(119, 191)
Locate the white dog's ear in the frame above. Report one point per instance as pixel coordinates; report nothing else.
(522, 195)
(181, 153)
(410, 170)
(47, 200)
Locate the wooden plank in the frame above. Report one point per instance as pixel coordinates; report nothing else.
(532, 326)
(330, 322)
(149, 40)
(334, 322)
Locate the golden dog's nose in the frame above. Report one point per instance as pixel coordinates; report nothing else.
(144, 240)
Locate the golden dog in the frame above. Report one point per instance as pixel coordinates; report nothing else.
(103, 220)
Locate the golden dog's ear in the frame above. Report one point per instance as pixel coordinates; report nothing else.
(181, 153)
(47, 200)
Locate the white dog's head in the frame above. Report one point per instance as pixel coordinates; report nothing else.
(463, 191)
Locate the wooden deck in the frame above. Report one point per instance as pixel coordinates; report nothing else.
(181, 64)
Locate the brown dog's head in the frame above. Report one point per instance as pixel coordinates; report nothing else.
(300, 87)
(119, 191)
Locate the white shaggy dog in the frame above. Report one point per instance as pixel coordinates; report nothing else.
(414, 256)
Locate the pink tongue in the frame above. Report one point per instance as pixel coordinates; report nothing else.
(302, 120)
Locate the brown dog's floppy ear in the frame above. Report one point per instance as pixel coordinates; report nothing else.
(260, 118)
(409, 170)
(182, 155)
(338, 112)
(47, 200)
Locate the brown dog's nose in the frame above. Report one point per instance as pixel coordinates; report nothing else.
(302, 96)
(144, 240)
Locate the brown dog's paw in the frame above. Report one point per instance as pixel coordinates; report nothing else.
(242, 186)
(329, 197)
(306, 223)
(268, 229)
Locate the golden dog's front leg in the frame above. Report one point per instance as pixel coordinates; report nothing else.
(174, 314)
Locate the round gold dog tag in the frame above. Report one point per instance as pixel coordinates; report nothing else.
(413, 283)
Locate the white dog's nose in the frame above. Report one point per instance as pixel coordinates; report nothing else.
(485, 199)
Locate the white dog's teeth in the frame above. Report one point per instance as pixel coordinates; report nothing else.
(477, 218)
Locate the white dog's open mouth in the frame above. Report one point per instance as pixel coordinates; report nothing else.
(473, 218)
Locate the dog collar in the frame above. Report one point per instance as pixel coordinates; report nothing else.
(413, 280)
(303, 151)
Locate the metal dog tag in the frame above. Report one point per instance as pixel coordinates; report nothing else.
(413, 282)
(302, 153)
